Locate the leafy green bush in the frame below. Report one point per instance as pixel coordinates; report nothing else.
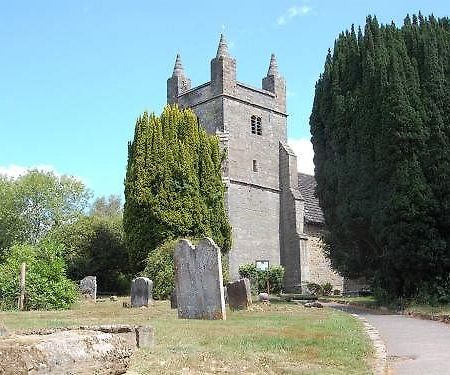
(327, 289)
(259, 279)
(315, 289)
(225, 269)
(275, 276)
(160, 269)
(46, 287)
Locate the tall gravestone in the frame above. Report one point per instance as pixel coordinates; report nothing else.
(141, 292)
(198, 280)
(88, 287)
(239, 294)
(173, 299)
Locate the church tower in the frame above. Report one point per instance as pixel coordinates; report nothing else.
(264, 204)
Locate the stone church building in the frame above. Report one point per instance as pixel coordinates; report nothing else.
(274, 214)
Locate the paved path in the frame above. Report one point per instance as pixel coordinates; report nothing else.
(414, 346)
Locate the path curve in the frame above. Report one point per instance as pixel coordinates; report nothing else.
(414, 346)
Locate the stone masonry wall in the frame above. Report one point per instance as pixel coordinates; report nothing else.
(291, 223)
(254, 217)
(244, 147)
(318, 267)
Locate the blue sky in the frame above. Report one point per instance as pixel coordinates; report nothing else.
(74, 75)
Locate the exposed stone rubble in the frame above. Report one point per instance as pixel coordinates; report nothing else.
(104, 349)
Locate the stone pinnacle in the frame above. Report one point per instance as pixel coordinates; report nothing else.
(222, 50)
(273, 67)
(178, 68)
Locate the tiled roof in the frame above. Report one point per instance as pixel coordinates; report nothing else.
(307, 187)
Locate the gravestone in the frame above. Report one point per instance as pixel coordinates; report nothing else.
(145, 336)
(88, 287)
(141, 292)
(239, 294)
(263, 297)
(3, 331)
(198, 280)
(173, 299)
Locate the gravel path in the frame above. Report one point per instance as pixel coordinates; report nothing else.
(413, 346)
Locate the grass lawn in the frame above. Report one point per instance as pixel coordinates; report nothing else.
(366, 300)
(280, 338)
(370, 301)
(426, 309)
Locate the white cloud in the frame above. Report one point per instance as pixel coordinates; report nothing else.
(304, 150)
(292, 12)
(15, 171)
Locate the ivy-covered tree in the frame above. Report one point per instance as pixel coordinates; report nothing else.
(173, 184)
(380, 129)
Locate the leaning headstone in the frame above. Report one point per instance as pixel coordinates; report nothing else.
(173, 299)
(239, 294)
(88, 287)
(141, 292)
(198, 280)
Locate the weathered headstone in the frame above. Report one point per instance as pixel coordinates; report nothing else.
(263, 297)
(173, 299)
(3, 331)
(88, 287)
(198, 280)
(239, 294)
(145, 336)
(141, 292)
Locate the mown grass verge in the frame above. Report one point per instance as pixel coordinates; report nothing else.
(438, 312)
(280, 338)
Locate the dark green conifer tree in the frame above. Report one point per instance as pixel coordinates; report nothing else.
(173, 185)
(381, 133)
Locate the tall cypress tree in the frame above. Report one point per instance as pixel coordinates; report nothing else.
(381, 134)
(173, 184)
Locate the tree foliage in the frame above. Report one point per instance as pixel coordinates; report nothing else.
(160, 269)
(173, 184)
(46, 285)
(110, 206)
(263, 281)
(381, 128)
(95, 245)
(37, 202)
